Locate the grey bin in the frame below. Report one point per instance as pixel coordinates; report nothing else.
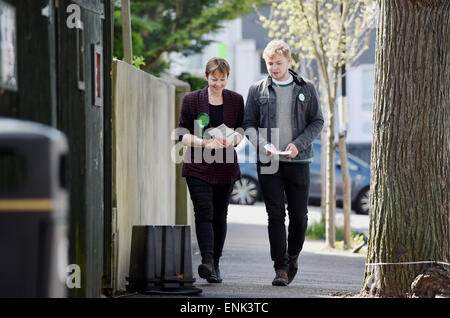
(161, 260)
(33, 210)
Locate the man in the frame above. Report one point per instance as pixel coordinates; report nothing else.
(286, 107)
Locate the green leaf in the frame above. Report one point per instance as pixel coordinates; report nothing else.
(164, 26)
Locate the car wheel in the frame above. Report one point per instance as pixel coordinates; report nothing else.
(362, 202)
(245, 191)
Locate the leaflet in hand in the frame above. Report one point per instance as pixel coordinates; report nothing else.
(223, 131)
(276, 152)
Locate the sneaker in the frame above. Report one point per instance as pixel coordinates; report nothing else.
(293, 268)
(281, 278)
(207, 272)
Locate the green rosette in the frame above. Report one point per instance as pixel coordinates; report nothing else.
(203, 121)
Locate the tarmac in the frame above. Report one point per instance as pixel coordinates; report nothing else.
(247, 269)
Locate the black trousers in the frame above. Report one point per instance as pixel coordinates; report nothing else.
(291, 183)
(210, 211)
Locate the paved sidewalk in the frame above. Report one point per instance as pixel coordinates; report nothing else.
(247, 269)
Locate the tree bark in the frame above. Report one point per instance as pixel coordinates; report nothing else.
(126, 32)
(330, 184)
(409, 191)
(323, 171)
(346, 189)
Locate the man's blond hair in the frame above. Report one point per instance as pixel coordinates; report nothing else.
(275, 47)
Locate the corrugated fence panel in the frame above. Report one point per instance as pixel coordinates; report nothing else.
(144, 174)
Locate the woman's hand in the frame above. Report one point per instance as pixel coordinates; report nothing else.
(214, 143)
(230, 142)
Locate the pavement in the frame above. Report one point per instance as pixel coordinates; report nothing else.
(247, 269)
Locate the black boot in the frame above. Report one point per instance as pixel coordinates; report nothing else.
(206, 270)
(281, 278)
(216, 268)
(293, 267)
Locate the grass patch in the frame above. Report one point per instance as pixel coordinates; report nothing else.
(316, 231)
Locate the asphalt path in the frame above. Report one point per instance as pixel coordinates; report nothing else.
(247, 269)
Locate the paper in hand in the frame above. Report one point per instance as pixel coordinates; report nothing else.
(276, 152)
(222, 131)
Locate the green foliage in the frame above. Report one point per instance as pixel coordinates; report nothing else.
(316, 231)
(138, 61)
(355, 240)
(163, 26)
(196, 82)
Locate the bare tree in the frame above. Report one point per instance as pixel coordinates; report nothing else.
(409, 228)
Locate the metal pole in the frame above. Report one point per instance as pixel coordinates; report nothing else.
(126, 32)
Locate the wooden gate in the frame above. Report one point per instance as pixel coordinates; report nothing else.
(83, 45)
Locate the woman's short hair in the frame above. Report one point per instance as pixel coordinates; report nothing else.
(275, 47)
(217, 64)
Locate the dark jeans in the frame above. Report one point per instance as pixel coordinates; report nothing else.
(291, 183)
(210, 211)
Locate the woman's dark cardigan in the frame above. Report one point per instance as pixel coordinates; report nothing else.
(194, 104)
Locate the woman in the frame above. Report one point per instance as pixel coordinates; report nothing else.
(210, 183)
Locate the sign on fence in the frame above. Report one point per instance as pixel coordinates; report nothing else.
(8, 47)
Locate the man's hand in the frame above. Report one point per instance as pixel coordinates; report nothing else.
(294, 152)
(268, 153)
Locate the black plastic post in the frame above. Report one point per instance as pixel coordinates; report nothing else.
(33, 210)
(161, 260)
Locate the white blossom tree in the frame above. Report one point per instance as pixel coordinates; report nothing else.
(331, 33)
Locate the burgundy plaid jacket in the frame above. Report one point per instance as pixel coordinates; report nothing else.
(194, 104)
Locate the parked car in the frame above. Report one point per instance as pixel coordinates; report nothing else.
(247, 190)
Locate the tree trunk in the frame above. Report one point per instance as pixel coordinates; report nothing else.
(346, 189)
(409, 191)
(323, 172)
(126, 32)
(330, 184)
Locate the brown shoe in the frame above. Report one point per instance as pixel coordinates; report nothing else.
(293, 268)
(281, 278)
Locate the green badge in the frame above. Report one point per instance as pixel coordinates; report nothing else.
(301, 97)
(203, 121)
